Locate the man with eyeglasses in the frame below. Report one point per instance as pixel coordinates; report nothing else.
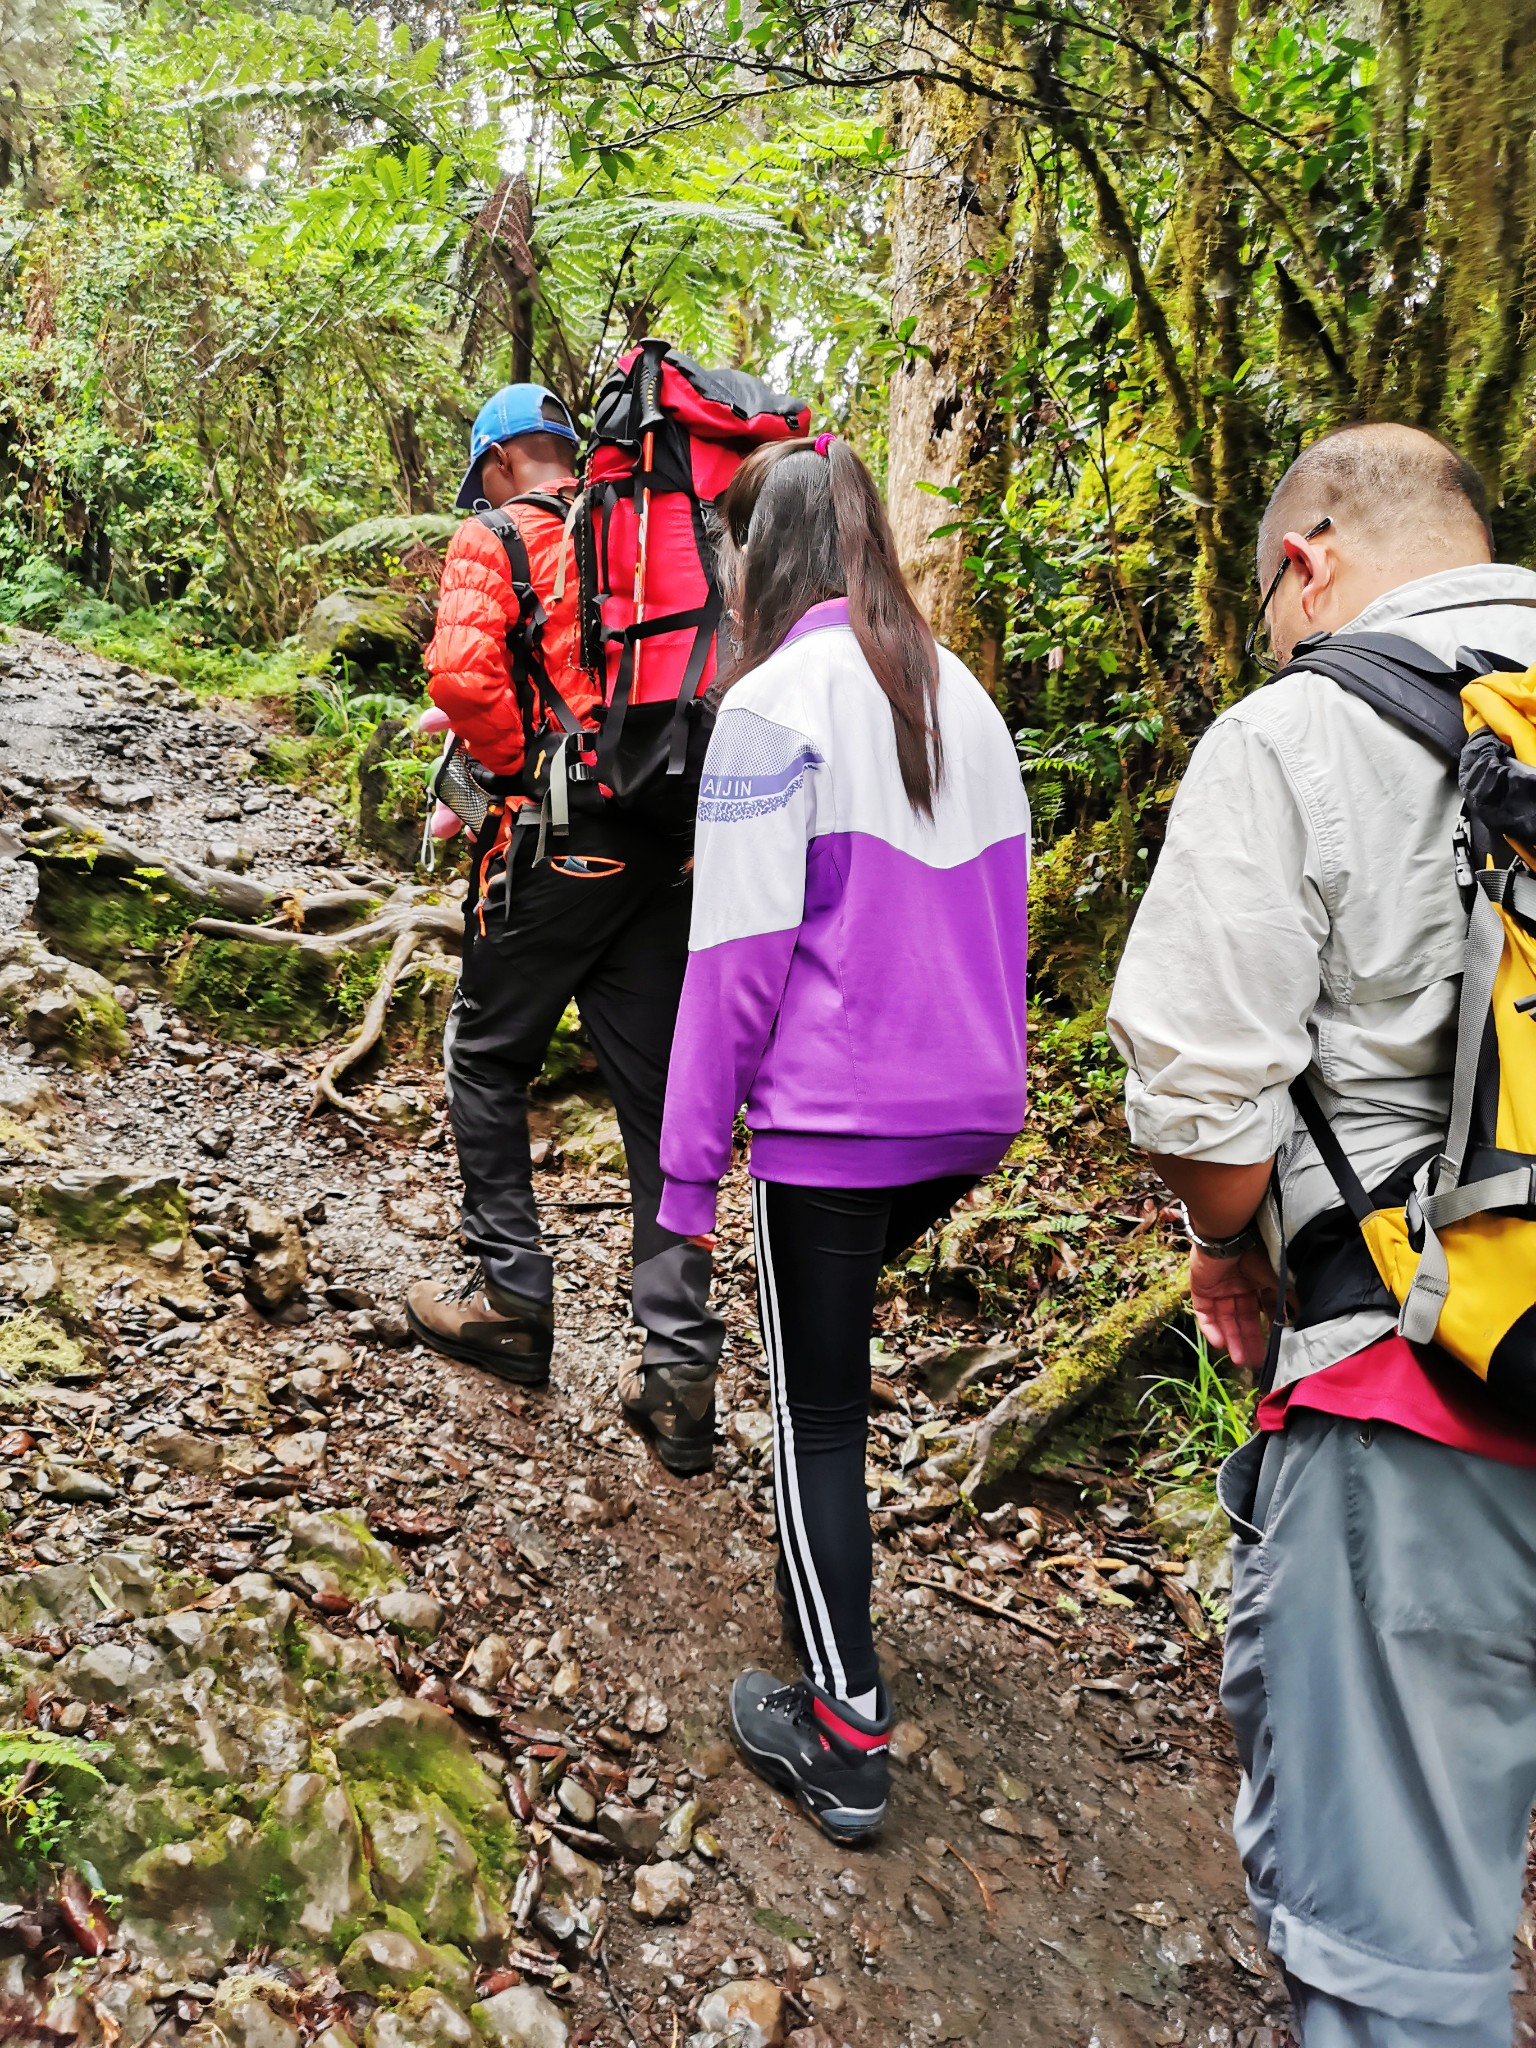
(1304, 920)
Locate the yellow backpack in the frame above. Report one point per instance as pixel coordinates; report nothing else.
(1457, 1249)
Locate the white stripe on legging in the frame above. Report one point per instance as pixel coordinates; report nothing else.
(814, 1618)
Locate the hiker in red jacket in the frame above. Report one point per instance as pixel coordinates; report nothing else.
(604, 920)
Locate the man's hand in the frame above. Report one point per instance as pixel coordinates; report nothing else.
(1232, 1300)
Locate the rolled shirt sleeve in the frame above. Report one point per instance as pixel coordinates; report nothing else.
(1213, 1001)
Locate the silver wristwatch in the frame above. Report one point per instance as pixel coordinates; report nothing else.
(1245, 1240)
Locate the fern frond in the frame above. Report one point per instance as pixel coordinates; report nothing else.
(370, 536)
(20, 1747)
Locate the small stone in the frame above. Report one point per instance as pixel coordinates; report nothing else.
(469, 1699)
(489, 1661)
(907, 1739)
(168, 1445)
(409, 1613)
(749, 2013)
(566, 1682)
(70, 1718)
(228, 854)
(383, 1960)
(706, 1843)
(946, 1773)
(522, 2017)
(645, 1714)
(215, 1140)
(59, 1481)
(253, 806)
(125, 796)
(751, 1431)
(576, 1877)
(424, 2020)
(299, 1451)
(677, 1834)
(629, 1828)
(663, 1891)
(1133, 1579)
(223, 810)
(250, 2022)
(823, 1994)
(1003, 1820)
(34, 1278)
(576, 1801)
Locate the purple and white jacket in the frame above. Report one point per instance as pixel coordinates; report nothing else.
(855, 971)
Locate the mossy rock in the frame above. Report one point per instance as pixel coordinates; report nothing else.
(283, 995)
(568, 1057)
(345, 1545)
(59, 1005)
(35, 1347)
(422, 1861)
(589, 1138)
(393, 1959)
(99, 910)
(378, 631)
(454, 1847)
(134, 1209)
(271, 995)
(393, 772)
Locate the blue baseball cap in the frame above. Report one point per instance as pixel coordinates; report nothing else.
(515, 409)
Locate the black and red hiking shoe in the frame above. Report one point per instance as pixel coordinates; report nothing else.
(830, 1760)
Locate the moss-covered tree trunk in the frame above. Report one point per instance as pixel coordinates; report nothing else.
(952, 279)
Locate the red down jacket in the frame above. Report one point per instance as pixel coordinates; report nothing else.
(469, 673)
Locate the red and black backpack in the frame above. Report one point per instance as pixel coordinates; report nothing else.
(667, 437)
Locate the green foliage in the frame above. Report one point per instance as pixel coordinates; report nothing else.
(1198, 1418)
(333, 708)
(34, 1810)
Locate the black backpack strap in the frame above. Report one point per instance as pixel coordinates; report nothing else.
(1331, 1152)
(525, 637)
(1397, 677)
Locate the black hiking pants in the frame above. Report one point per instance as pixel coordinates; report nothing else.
(819, 1256)
(616, 940)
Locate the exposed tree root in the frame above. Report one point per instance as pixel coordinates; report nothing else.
(369, 1032)
(1009, 1434)
(425, 920)
(404, 927)
(237, 894)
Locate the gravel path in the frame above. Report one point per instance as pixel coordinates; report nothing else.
(1057, 1868)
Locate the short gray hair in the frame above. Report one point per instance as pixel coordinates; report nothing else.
(1382, 483)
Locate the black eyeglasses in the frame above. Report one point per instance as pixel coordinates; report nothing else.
(1250, 645)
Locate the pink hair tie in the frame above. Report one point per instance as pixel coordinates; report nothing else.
(824, 442)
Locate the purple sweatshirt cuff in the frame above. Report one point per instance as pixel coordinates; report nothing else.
(688, 1207)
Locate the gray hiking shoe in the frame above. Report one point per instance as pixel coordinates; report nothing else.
(673, 1408)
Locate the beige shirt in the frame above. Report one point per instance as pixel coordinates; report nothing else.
(1304, 917)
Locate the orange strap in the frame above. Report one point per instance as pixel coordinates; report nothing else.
(498, 845)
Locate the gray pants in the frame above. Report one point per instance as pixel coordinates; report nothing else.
(1380, 1679)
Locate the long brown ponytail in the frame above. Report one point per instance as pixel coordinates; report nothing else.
(804, 526)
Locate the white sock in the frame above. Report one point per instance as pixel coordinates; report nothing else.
(863, 1702)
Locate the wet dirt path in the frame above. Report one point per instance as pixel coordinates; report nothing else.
(1057, 1868)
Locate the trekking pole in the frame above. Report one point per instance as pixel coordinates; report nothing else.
(651, 417)
(641, 547)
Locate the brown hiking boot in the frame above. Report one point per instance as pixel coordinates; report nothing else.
(673, 1408)
(501, 1333)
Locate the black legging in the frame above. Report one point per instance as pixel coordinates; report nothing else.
(819, 1255)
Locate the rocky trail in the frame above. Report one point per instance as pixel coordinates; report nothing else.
(408, 1689)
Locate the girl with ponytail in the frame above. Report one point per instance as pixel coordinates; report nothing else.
(856, 980)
